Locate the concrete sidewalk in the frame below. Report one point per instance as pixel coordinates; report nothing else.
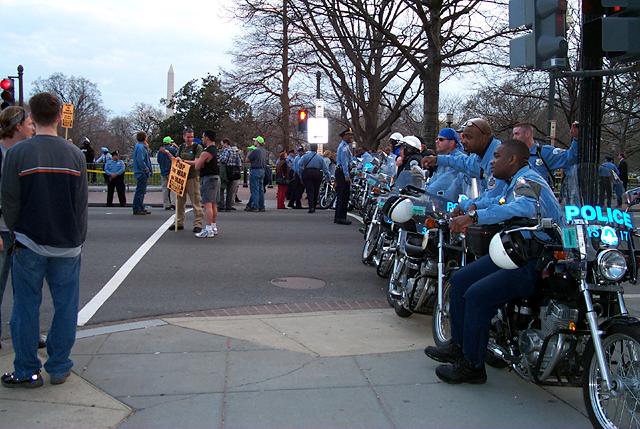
(326, 369)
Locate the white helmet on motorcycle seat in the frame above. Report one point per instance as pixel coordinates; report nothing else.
(508, 251)
(412, 141)
(401, 210)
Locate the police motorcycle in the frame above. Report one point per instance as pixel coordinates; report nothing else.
(426, 255)
(576, 329)
(379, 184)
(373, 218)
(327, 194)
(393, 235)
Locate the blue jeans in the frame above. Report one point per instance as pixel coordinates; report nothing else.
(141, 189)
(477, 291)
(5, 268)
(63, 277)
(256, 179)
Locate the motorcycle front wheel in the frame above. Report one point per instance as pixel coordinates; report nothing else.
(617, 408)
(369, 246)
(440, 322)
(327, 196)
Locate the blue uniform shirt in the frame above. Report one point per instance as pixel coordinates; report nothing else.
(512, 204)
(343, 157)
(606, 168)
(114, 167)
(296, 164)
(312, 160)
(478, 167)
(554, 157)
(289, 160)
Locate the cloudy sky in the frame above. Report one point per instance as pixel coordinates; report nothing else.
(124, 46)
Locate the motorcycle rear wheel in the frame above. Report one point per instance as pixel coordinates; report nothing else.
(606, 409)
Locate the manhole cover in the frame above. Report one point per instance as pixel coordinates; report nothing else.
(298, 283)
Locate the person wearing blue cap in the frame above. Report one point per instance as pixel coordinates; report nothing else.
(446, 181)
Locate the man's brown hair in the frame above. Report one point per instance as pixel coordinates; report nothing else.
(141, 136)
(525, 125)
(45, 108)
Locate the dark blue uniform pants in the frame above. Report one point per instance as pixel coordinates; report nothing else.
(343, 189)
(477, 291)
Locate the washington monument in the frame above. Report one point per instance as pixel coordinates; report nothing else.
(170, 90)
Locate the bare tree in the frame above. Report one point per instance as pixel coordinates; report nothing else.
(90, 116)
(368, 74)
(441, 38)
(144, 117)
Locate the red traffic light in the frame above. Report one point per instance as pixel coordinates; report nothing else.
(6, 84)
(302, 115)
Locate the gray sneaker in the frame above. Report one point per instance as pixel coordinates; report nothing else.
(206, 233)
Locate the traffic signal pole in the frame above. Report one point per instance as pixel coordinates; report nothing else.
(590, 100)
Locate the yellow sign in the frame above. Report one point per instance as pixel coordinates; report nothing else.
(178, 176)
(67, 115)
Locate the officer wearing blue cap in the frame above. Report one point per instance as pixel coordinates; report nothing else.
(479, 288)
(479, 142)
(446, 181)
(343, 179)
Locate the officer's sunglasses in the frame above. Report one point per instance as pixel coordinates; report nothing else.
(470, 123)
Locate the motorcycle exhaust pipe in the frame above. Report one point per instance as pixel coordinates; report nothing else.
(498, 351)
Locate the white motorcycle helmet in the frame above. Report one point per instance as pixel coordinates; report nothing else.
(401, 210)
(395, 138)
(508, 250)
(412, 141)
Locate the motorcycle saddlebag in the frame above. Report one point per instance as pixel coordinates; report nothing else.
(479, 237)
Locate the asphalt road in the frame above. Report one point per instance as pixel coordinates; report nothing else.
(182, 273)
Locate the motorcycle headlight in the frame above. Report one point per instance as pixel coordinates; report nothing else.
(611, 265)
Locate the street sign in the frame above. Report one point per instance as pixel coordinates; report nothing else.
(552, 131)
(318, 130)
(319, 108)
(67, 115)
(178, 176)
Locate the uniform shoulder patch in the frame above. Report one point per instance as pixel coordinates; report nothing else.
(557, 151)
(527, 188)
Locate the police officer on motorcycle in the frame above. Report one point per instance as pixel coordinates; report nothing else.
(481, 287)
(446, 181)
(410, 152)
(479, 142)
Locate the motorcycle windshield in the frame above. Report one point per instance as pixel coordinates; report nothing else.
(597, 229)
(406, 178)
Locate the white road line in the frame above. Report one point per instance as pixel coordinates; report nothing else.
(356, 217)
(90, 309)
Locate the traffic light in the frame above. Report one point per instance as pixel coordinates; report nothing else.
(621, 30)
(546, 46)
(8, 95)
(303, 115)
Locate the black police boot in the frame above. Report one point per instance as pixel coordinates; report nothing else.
(462, 371)
(450, 353)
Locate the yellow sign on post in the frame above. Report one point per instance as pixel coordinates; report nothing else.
(67, 115)
(178, 176)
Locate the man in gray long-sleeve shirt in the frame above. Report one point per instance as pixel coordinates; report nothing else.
(44, 200)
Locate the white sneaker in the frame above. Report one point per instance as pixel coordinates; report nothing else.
(205, 233)
(215, 231)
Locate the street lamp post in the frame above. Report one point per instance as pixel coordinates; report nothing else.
(449, 119)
